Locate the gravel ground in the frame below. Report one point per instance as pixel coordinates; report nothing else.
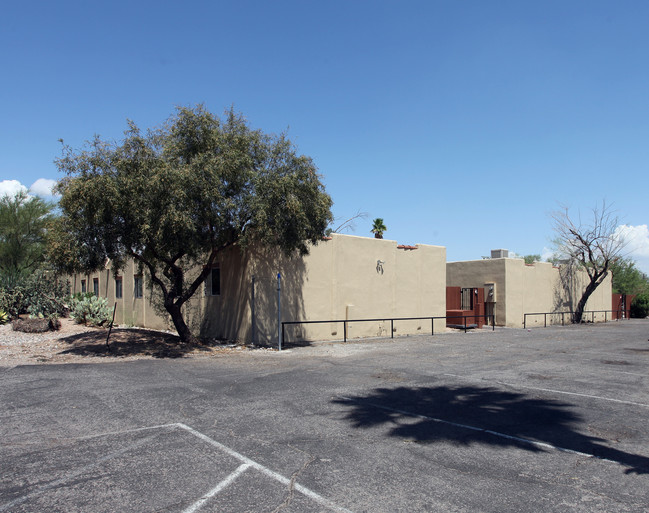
(75, 343)
(18, 348)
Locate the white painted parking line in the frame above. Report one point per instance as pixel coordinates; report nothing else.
(483, 380)
(246, 463)
(576, 394)
(274, 475)
(230, 479)
(628, 373)
(543, 445)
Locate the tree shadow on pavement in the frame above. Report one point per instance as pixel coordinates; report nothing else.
(468, 415)
(128, 342)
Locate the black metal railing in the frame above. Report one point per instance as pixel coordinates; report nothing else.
(571, 316)
(462, 325)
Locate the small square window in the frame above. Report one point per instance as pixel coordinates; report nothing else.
(118, 287)
(137, 287)
(213, 281)
(95, 286)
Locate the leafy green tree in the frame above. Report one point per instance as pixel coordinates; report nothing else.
(627, 278)
(174, 198)
(530, 259)
(23, 224)
(378, 228)
(640, 306)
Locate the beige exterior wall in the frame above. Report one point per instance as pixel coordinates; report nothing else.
(340, 279)
(344, 280)
(536, 288)
(130, 311)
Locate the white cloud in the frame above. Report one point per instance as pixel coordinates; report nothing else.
(637, 248)
(11, 188)
(42, 187)
(547, 253)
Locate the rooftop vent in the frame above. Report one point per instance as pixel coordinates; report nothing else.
(499, 253)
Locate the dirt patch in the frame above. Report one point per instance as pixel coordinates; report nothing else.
(76, 344)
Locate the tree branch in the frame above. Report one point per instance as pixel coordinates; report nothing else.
(154, 276)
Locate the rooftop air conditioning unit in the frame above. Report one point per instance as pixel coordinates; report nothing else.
(499, 253)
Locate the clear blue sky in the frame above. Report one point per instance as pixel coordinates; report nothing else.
(460, 123)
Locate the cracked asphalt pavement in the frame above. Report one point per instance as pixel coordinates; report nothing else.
(551, 419)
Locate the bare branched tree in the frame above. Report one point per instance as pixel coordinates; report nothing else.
(593, 245)
(347, 224)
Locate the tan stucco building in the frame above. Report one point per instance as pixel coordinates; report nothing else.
(347, 278)
(343, 277)
(518, 288)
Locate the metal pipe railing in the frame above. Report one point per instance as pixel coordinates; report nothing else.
(571, 313)
(392, 319)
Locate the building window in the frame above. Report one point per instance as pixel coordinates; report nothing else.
(118, 287)
(83, 286)
(95, 286)
(213, 281)
(137, 287)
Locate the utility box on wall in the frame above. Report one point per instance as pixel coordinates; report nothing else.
(489, 292)
(490, 303)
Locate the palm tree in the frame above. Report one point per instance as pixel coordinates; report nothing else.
(378, 228)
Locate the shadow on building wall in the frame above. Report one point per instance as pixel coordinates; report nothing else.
(564, 290)
(240, 314)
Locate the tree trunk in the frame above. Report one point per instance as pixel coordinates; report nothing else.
(179, 323)
(581, 305)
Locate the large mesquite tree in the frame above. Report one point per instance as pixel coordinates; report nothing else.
(173, 198)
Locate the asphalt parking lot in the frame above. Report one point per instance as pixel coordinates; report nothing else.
(552, 419)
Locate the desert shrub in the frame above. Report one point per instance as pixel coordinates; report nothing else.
(78, 296)
(4, 317)
(640, 306)
(41, 295)
(90, 310)
(36, 324)
(12, 301)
